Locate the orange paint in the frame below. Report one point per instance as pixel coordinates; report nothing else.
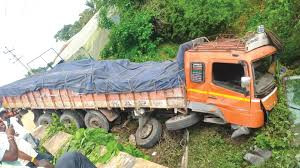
(236, 107)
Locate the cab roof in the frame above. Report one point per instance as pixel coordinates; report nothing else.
(233, 48)
(221, 44)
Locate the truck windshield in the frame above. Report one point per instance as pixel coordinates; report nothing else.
(264, 72)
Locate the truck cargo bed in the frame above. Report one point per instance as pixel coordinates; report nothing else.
(68, 99)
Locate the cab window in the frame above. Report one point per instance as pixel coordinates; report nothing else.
(228, 75)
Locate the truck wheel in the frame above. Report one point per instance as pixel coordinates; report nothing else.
(69, 117)
(44, 119)
(150, 134)
(182, 121)
(95, 119)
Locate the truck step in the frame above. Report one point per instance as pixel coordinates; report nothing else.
(214, 120)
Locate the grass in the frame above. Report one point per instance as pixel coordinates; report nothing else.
(169, 149)
(211, 146)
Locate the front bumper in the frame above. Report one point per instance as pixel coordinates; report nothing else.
(270, 100)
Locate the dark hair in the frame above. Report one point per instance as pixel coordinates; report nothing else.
(2, 114)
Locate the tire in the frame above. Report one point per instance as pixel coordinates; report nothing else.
(95, 119)
(44, 119)
(182, 121)
(152, 138)
(71, 116)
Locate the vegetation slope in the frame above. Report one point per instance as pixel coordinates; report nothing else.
(152, 30)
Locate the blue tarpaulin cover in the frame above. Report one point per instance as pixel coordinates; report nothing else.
(90, 76)
(107, 76)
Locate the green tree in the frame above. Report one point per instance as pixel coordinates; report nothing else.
(177, 21)
(64, 33)
(70, 30)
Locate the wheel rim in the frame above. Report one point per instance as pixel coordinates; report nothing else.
(146, 131)
(95, 123)
(67, 122)
(44, 123)
(178, 117)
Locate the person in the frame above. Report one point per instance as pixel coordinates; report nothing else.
(16, 151)
(9, 117)
(74, 160)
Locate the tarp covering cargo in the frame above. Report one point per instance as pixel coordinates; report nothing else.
(89, 76)
(186, 46)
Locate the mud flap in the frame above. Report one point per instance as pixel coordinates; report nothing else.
(109, 114)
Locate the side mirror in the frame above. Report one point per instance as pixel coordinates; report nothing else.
(245, 81)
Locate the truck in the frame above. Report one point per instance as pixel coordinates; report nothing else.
(227, 81)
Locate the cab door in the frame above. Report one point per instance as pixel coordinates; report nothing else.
(225, 90)
(195, 73)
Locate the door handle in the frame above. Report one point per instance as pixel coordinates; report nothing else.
(212, 97)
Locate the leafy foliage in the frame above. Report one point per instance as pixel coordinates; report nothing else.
(183, 20)
(88, 142)
(177, 21)
(39, 69)
(144, 25)
(70, 30)
(56, 126)
(281, 17)
(278, 135)
(132, 38)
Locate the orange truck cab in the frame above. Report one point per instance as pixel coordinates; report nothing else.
(232, 80)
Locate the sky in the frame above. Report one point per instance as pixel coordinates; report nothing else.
(28, 27)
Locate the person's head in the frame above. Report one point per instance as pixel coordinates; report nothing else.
(2, 126)
(10, 113)
(4, 114)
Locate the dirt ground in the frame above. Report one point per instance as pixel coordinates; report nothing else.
(167, 152)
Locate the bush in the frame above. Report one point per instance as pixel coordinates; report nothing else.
(183, 20)
(132, 38)
(145, 24)
(281, 17)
